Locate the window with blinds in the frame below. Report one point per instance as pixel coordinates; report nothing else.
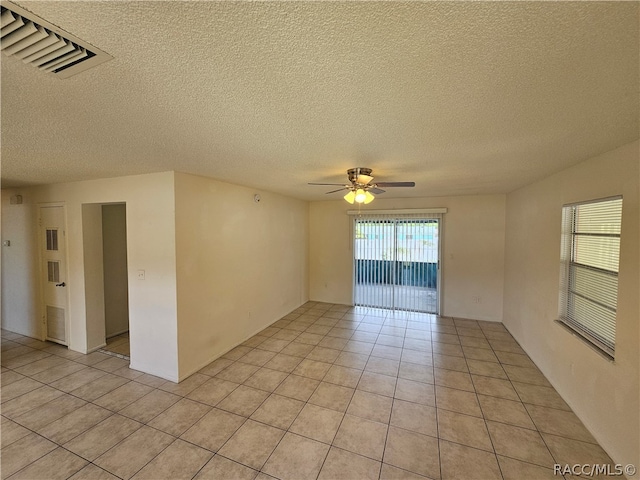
(590, 255)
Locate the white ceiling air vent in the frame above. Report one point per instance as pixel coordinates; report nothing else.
(43, 45)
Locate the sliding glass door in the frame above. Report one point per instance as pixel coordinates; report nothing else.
(396, 262)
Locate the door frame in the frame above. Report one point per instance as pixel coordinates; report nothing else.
(41, 273)
(440, 219)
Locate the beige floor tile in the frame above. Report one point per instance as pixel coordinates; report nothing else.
(254, 341)
(93, 472)
(343, 465)
(27, 402)
(572, 452)
(99, 387)
(312, 369)
(237, 352)
(266, 379)
(463, 429)
(415, 417)
(50, 412)
(361, 348)
(237, 372)
(537, 395)
(278, 411)
(134, 452)
(300, 388)
(214, 429)
(361, 436)
(252, 444)
(149, 406)
(370, 406)
(296, 458)
(243, 400)
(50, 375)
(317, 423)
(283, 363)
(213, 391)
(186, 386)
(220, 468)
(377, 383)
(416, 344)
(323, 354)
(257, 357)
(16, 389)
(519, 443)
(59, 464)
(297, 349)
(398, 341)
(123, 396)
(309, 338)
(459, 462)
(476, 353)
(386, 351)
(383, 366)
(517, 359)
(559, 422)
(11, 432)
(413, 452)
(449, 362)
(178, 418)
(526, 375)
(111, 364)
(216, 367)
(506, 346)
(416, 372)
(333, 342)
(416, 392)
(494, 387)
(97, 440)
(332, 396)
(180, 460)
(78, 379)
(344, 376)
(505, 411)
(453, 379)
(350, 359)
(517, 470)
(273, 345)
(458, 401)
(487, 369)
(23, 452)
(447, 349)
(389, 472)
(8, 377)
(474, 342)
(38, 366)
(74, 423)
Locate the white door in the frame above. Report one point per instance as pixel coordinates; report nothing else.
(54, 272)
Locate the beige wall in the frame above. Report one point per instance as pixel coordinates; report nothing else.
(603, 394)
(472, 252)
(241, 265)
(116, 277)
(151, 247)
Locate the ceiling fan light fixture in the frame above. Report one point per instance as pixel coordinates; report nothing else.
(368, 197)
(360, 195)
(350, 197)
(364, 179)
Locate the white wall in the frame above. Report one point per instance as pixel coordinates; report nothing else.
(20, 299)
(603, 394)
(472, 252)
(116, 281)
(241, 265)
(151, 247)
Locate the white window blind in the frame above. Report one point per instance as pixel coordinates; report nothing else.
(590, 253)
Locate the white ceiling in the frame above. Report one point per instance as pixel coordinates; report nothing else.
(460, 97)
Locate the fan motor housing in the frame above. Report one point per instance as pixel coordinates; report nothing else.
(354, 173)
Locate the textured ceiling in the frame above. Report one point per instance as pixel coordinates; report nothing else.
(460, 97)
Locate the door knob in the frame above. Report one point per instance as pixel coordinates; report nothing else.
(60, 284)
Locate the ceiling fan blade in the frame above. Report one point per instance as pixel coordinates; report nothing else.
(395, 184)
(377, 191)
(338, 190)
(325, 184)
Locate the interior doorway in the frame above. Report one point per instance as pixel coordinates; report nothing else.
(115, 272)
(397, 262)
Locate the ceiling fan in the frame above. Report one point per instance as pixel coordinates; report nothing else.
(361, 187)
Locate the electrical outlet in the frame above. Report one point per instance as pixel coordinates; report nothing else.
(476, 299)
(141, 275)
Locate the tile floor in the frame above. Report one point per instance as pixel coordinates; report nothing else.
(117, 346)
(327, 392)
